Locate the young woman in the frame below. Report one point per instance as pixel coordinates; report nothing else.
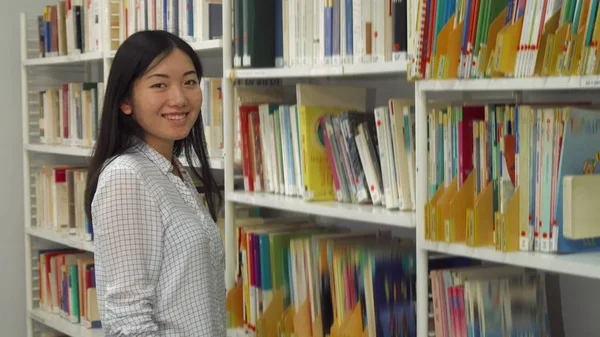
(159, 257)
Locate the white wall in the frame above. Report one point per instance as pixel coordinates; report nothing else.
(580, 301)
(12, 251)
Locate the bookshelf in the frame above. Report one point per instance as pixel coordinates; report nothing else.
(513, 90)
(367, 218)
(374, 218)
(52, 70)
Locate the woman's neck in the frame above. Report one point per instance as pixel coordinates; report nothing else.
(163, 147)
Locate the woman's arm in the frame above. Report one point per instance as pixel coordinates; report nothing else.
(128, 253)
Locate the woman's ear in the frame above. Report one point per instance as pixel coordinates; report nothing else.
(126, 108)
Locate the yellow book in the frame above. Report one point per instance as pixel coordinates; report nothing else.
(510, 224)
(443, 212)
(486, 53)
(453, 52)
(593, 58)
(458, 211)
(576, 54)
(234, 306)
(318, 179)
(545, 47)
(506, 48)
(441, 55)
(558, 50)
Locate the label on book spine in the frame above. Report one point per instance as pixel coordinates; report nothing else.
(545, 245)
(531, 239)
(237, 61)
(433, 224)
(524, 244)
(554, 239)
(247, 61)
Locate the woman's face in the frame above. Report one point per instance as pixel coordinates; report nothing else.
(166, 101)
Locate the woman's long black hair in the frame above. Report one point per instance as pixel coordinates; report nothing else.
(118, 131)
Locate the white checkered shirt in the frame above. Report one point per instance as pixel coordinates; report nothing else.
(158, 254)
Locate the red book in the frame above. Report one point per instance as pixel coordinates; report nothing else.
(465, 139)
(247, 160)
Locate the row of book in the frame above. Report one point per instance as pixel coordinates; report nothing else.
(67, 286)
(59, 202)
(290, 33)
(69, 27)
(371, 156)
(300, 279)
(327, 147)
(248, 92)
(59, 191)
(192, 20)
(212, 115)
(497, 173)
(70, 114)
(506, 38)
(471, 299)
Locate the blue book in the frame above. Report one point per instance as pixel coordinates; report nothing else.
(166, 13)
(265, 269)
(190, 17)
(349, 30)
(279, 33)
(328, 30)
(288, 142)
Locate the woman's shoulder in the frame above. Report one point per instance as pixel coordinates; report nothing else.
(130, 165)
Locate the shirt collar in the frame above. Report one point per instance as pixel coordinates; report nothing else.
(158, 159)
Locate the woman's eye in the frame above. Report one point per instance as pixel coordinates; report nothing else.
(158, 85)
(191, 82)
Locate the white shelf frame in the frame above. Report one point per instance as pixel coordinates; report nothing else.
(77, 151)
(343, 211)
(64, 150)
(65, 239)
(512, 84)
(581, 264)
(370, 69)
(58, 323)
(200, 47)
(66, 59)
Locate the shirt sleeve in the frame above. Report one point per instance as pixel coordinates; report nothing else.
(128, 253)
(224, 314)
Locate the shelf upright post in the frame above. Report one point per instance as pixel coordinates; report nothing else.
(106, 63)
(26, 186)
(106, 38)
(228, 153)
(421, 196)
